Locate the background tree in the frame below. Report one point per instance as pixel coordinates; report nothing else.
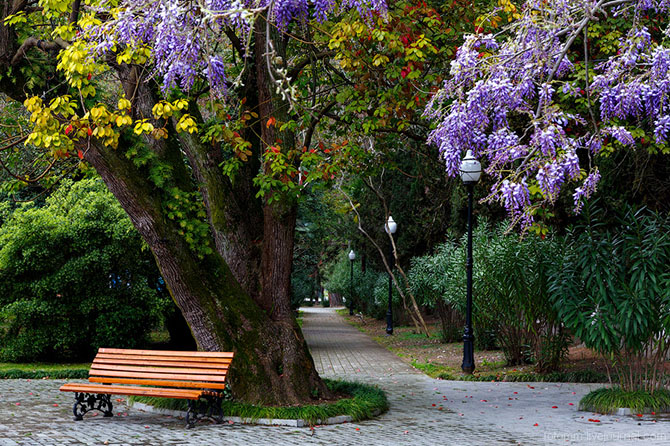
(74, 277)
(209, 180)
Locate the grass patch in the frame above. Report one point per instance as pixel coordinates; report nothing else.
(609, 400)
(299, 318)
(365, 402)
(433, 370)
(409, 335)
(43, 370)
(581, 376)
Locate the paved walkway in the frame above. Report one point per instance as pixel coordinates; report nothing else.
(423, 411)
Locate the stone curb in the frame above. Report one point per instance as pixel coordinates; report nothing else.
(262, 421)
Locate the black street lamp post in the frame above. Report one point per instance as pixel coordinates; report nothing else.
(390, 229)
(471, 170)
(352, 257)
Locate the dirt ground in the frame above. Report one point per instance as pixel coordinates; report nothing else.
(433, 357)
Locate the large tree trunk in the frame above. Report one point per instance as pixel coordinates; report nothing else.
(237, 298)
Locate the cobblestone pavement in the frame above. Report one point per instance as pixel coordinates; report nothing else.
(423, 411)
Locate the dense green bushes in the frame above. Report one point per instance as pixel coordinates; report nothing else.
(510, 304)
(606, 284)
(511, 309)
(370, 290)
(73, 277)
(612, 289)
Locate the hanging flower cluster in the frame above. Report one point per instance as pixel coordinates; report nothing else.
(186, 38)
(500, 100)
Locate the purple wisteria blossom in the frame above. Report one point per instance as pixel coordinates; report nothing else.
(502, 99)
(587, 189)
(186, 38)
(662, 128)
(621, 134)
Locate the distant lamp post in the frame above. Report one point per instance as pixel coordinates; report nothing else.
(390, 229)
(352, 257)
(471, 170)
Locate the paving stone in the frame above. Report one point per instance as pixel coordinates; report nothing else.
(423, 411)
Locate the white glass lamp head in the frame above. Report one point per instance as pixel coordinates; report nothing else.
(391, 226)
(352, 255)
(471, 169)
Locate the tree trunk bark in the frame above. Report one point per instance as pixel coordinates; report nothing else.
(237, 298)
(272, 365)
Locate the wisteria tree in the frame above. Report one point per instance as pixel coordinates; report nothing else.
(199, 116)
(539, 100)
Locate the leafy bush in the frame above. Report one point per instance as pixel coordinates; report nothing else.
(430, 281)
(612, 289)
(510, 305)
(370, 288)
(513, 275)
(608, 400)
(73, 277)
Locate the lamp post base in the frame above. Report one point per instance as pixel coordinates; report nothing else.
(468, 365)
(389, 323)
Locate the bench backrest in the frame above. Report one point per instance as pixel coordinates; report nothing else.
(201, 370)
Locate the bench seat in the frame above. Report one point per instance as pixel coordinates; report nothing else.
(129, 390)
(195, 376)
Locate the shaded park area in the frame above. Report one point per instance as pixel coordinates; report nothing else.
(423, 411)
(427, 221)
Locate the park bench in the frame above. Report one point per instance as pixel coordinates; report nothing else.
(198, 377)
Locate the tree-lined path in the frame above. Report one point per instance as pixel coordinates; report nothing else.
(423, 411)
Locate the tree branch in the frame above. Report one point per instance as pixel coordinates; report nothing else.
(315, 120)
(43, 45)
(74, 14)
(297, 68)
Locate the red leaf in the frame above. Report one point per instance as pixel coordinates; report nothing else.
(592, 420)
(89, 131)
(535, 424)
(554, 407)
(80, 154)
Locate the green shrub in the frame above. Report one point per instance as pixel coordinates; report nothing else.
(73, 277)
(430, 283)
(510, 304)
(43, 374)
(370, 288)
(608, 400)
(581, 376)
(610, 288)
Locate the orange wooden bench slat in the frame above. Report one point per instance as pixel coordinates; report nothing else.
(95, 367)
(128, 390)
(166, 374)
(154, 382)
(165, 363)
(167, 353)
(175, 376)
(175, 358)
